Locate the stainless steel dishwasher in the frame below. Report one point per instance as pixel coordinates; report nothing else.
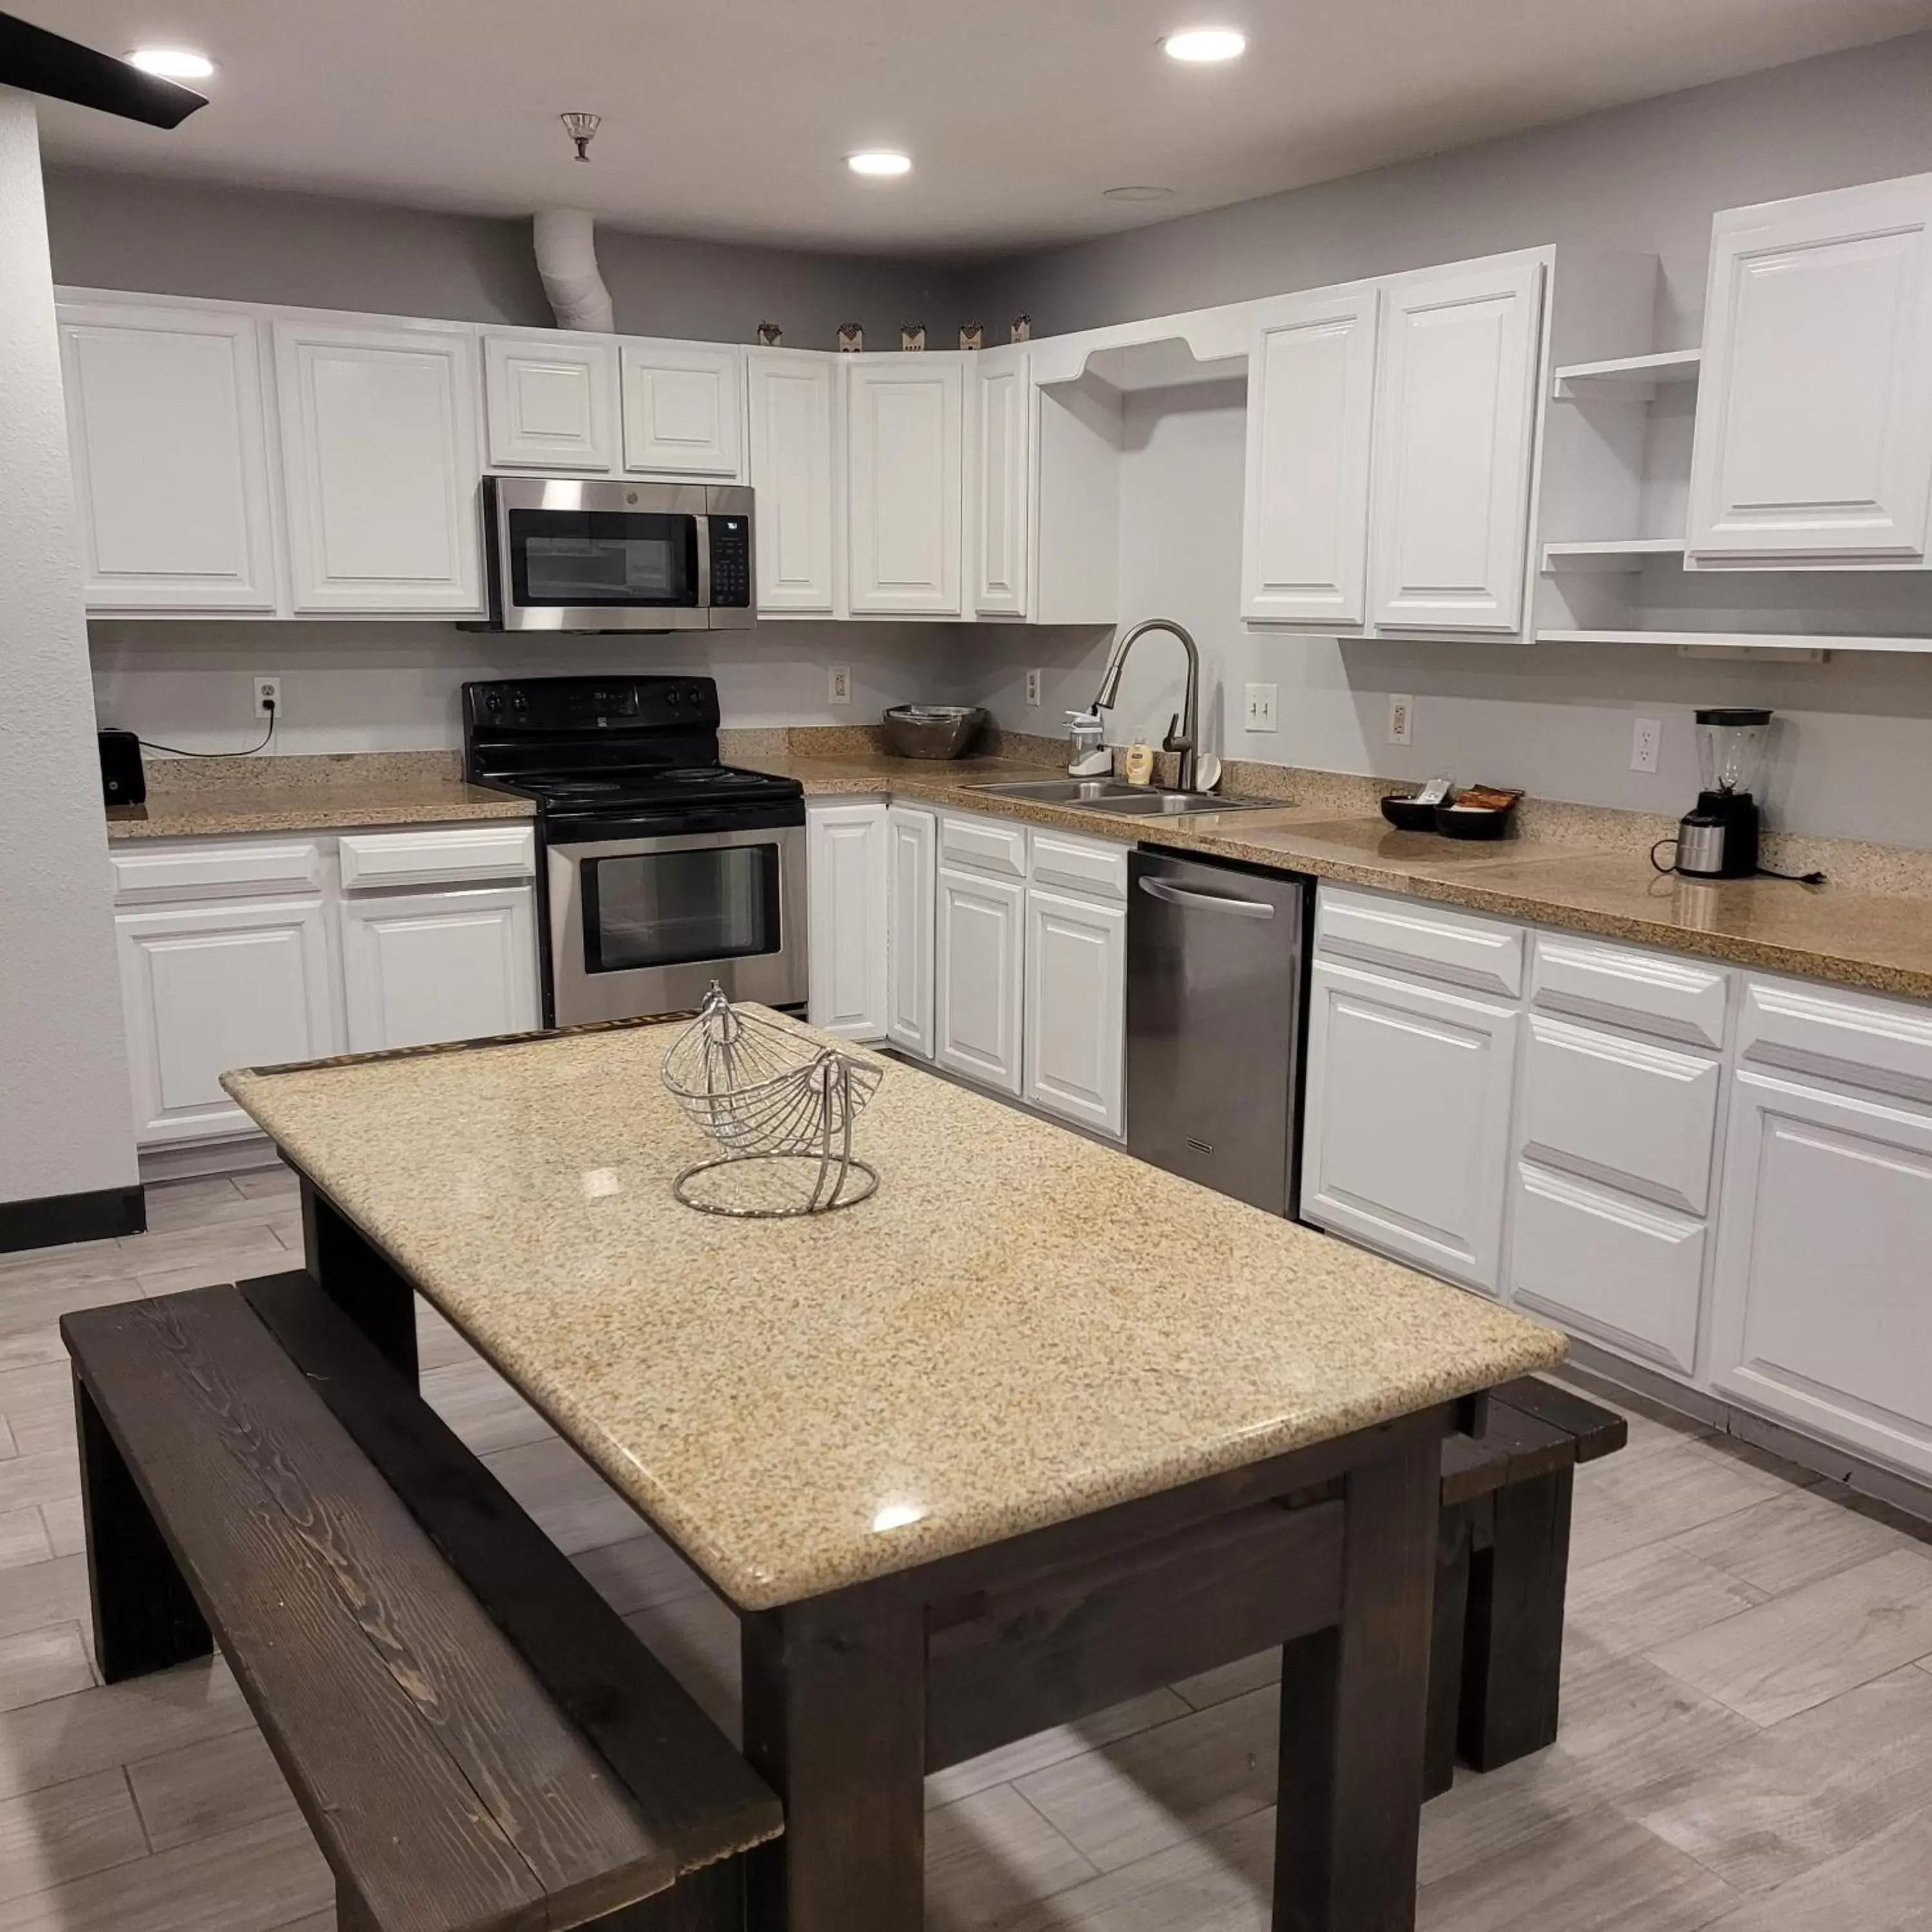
(1215, 996)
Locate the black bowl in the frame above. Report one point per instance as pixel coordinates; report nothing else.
(1471, 821)
(1408, 815)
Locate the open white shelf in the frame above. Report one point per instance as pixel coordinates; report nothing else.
(1749, 640)
(1629, 378)
(1625, 553)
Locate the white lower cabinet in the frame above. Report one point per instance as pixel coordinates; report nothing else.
(979, 987)
(206, 988)
(1406, 1138)
(1076, 954)
(422, 967)
(911, 881)
(845, 918)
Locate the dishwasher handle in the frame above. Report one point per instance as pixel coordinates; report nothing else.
(1180, 896)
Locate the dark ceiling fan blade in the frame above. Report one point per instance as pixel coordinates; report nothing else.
(38, 62)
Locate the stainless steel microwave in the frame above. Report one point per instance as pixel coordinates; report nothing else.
(569, 554)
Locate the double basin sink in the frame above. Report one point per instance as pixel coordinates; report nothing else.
(1113, 795)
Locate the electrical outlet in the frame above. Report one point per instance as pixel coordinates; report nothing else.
(841, 684)
(1261, 707)
(1401, 720)
(268, 698)
(1646, 733)
(1033, 687)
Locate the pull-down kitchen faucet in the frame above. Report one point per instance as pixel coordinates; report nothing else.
(1183, 730)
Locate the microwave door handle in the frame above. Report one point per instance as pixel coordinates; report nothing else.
(1179, 895)
(702, 524)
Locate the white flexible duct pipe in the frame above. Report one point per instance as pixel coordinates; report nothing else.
(567, 260)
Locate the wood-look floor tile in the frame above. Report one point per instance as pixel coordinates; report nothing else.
(1149, 1790)
(37, 1593)
(990, 1855)
(9, 1445)
(1231, 1680)
(1622, 1504)
(1805, 1790)
(37, 1406)
(438, 1344)
(251, 1880)
(576, 1507)
(1655, 1594)
(196, 1204)
(638, 1572)
(1801, 1649)
(249, 1247)
(482, 1408)
(1790, 1540)
(315, 1921)
(67, 1831)
(268, 1183)
(218, 1785)
(66, 1528)
(1054, 1747)
(46, 1476)
(696, 1640)
(1484, 1814)
(1884, 1885)
(36, 1664)
(23, 1538)
(76, 1263)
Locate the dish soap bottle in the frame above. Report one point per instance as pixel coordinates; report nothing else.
(1140, 764)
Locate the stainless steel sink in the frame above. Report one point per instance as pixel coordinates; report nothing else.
(1113, 795)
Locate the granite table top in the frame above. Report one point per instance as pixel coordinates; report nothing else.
(1022, 1325)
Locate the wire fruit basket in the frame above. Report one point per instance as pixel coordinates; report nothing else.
(780, 1106)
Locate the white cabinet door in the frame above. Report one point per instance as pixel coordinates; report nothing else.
(1406, 1137)
(1076, 971)
(911, 843)
(551, 401)
(1821, 1311)
(207, 987)
(379, 456)
(1003, 495)
(1311, 394)
(418, 968)
(792, 470)
(981, 943)
(1455, 412)
(170, 458)
(845, 925)
(1814, 406)
(903, 491)
(681, 413)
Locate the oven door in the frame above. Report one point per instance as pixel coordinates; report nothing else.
(640, 926)
(569, 555)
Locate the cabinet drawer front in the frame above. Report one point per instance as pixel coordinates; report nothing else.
(1425, 939)
(1677, 998)
(216, 872)
(1881, 1044)
(1079, 865)
(1621, 1111)
(450, 855)
(984, 844)
(1629, 1274)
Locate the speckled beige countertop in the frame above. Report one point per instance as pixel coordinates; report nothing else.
(1021, 1325)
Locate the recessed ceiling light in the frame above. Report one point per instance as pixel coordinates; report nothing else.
(1137, 193)
(879, 161)
(172, 63)
(1206, 44)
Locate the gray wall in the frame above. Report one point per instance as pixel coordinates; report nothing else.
(124, 231)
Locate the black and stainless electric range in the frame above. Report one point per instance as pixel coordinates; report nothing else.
(663, 870)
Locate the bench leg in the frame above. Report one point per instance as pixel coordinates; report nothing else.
(1453, 1550)
(144, 1617)
(1354, 1711)
(1513, 1650)
(358, 1279)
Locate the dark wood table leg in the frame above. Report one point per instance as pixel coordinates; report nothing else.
(1354, 1711)
(835, 1720)
(1513, 1649)
(1454, 1539)
(358, 1279)
(145, 1619)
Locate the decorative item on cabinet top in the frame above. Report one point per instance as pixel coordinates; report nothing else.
(1020, 329)
(912, 335)
(770, 335)
(851, 337)
(972, 335)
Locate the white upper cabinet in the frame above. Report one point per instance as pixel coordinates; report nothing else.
(1454, 417)
(681, 410)
(551, 401)
(903, 522)
(1311, 392)
(378, 455)
(1814, 413)
(170, 457)
(1003, 483)
(792, 469)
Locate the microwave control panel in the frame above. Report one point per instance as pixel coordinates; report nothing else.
(731, 562)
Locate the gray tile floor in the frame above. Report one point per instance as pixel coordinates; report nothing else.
(1747, 1738)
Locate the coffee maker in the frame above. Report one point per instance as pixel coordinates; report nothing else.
(1717, 839)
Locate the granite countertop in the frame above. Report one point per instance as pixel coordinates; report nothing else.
(1021, 1326)
(1871, 940)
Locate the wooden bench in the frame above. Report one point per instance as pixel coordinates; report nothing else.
(478, 1742)
(1502, 1569)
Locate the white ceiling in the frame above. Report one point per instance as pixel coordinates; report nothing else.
(729, 118)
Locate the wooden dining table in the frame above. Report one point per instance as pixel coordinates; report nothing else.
(1036, 1429)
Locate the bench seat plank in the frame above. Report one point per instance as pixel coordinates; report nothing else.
(1598, 1431)
(442, 1784)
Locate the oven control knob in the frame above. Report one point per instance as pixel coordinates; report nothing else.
(520, 703)
(494, 703)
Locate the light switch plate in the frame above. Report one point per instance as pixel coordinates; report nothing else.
(1033, 687)
(1646, 734)
(1261, 707)
(1402, 719)
(841, 684)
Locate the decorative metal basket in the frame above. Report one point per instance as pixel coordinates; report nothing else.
(780, 1106)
